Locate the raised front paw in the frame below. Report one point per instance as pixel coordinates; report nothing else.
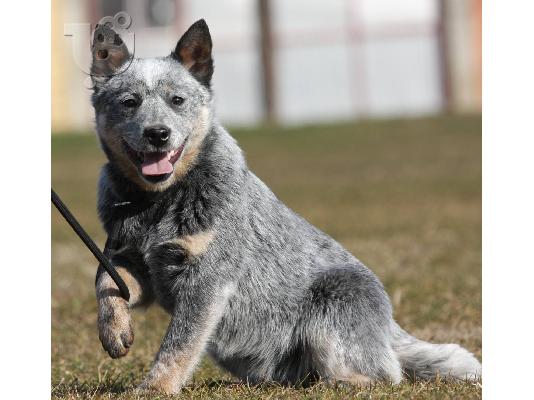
(115, 328)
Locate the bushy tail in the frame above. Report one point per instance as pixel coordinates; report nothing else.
(426, 360)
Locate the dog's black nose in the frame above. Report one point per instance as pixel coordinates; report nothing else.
(157, 135)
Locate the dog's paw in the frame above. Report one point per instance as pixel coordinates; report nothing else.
(162, 378)
(152, 387)
(115, 329)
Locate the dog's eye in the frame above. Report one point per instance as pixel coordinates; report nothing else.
(130, 103)
(177, 100)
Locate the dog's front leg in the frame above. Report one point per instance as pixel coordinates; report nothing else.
(195, 317)
(114, 323)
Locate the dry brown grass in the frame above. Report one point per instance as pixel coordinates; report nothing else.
(403, 196)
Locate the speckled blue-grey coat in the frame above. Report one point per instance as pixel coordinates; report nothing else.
(266, 294)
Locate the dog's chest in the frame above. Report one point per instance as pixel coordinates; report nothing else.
(160, 245)
(135, 236)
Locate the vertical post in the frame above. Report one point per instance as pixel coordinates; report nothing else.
(477, 52)
(445, 72)
(267, 62)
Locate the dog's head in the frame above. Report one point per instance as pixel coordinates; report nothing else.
(152, 114)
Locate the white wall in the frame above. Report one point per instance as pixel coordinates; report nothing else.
(336, 59)
(345, 59)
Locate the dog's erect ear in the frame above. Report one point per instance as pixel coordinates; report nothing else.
(193, 51)
(110, 54)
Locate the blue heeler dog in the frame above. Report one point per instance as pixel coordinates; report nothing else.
(266, 294)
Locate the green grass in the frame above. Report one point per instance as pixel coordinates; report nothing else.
(403, 195)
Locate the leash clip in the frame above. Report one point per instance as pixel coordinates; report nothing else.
(124, 203)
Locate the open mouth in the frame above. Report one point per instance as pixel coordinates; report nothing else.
(155, 166)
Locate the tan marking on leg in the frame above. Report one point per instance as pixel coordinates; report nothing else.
(195, 245)
(171, 371)
(134, 287)
(106, 287)
(356, 379)
(328, 351)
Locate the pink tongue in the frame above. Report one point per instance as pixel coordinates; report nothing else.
(156, 164)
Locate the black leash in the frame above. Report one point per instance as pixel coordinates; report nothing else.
(104, 261)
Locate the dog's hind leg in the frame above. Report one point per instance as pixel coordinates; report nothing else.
(349, 327)
(350, 363)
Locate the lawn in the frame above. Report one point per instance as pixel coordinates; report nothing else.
(404, 196)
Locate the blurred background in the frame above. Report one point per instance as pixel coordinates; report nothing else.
(298, 61)
(363, 116)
